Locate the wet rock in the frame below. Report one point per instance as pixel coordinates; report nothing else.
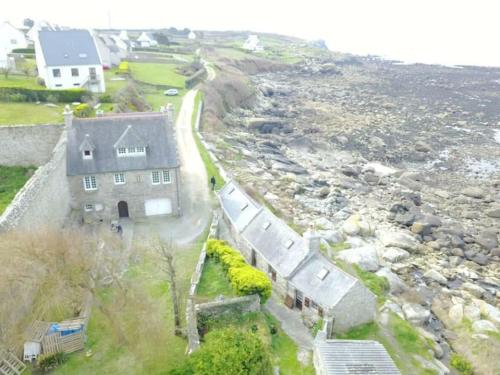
(350, 171)
(324, 192)
(472, 313)
(481, 259)
(416, 314)
(456, 313)
(393, 254)
(401, 240)
(487, 239)
(473, 289)
(494, 212)
(365, 257)
(435, 276)
(457, 252)
(422, 147)
(484, 326)
(473, 192)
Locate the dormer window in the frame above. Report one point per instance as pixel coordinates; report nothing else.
(87, 154)
(289, 244)
(131, 151)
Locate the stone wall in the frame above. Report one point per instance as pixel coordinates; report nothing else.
(27, 145)
(357, 307)
(232, 306)
(44, 201)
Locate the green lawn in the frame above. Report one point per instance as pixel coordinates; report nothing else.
(282, 349)
(213, 282)
(146, 317)
(12, 179)
(156, 98)
(113, 85)
(163, 74)
(20, 81)
(211, 168)
(29, 113)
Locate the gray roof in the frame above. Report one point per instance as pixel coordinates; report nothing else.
(349, 357)
(279, 244)
(326, 292)
(233, 199)
(151, 130)
(68, 47)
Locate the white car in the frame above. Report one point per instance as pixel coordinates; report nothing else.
(171, 92)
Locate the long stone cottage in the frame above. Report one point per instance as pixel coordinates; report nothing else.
(302, 277)
(123, 165)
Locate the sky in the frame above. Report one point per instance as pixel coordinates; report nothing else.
(430, 31)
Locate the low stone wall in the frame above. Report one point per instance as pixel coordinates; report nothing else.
(233, 306)
(27, 145)
(44, 201)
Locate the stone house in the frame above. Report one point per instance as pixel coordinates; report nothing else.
(123, 165)
(302, 277)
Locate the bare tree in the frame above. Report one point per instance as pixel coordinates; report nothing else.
(165, 251)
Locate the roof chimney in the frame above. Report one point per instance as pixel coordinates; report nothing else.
(68, 116)
(312, 238)
(170, 113)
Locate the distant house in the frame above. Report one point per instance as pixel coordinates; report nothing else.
(147, 40)
(10, 38)
(346, 357)
(108, 51)
(124, 35)
(115, 52)
(123, 46)
(253, 44)
(302, 277)
(192, 35)
(68, 59)
(32, 34)
(123, 165)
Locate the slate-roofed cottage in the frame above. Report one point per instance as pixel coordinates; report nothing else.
(123, 165)
(301, 275)
(68, 59)
(348, 357)
(147, 40)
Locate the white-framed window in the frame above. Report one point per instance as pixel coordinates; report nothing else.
(90, 183)
(87, 154)
(88, 207)
(131, 151)
(119, 178)
(155, 177)
(166, 177)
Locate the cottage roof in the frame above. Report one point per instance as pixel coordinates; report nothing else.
(280, 245)
(239, 207)
(68, 47)
(323, 282)
(348, 357)
(105, 132)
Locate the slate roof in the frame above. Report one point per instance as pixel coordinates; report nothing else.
(233, 199)
(68, 47)
(328, 291)
(152, 129)
(349, 357)
(279, 244)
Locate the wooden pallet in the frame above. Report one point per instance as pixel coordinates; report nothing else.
(10, 364)
(56, 343)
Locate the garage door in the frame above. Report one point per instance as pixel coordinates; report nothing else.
(158, 206)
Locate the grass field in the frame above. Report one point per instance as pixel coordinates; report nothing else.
(213, 282)
(162, 74)
(113, 85)
(146, 318)
(20, 81)
(282, 349)
(12, 179)
(29, 113)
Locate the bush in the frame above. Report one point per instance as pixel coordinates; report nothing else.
(83, 110)
(228, 352)
(244, 279)
(463, 366)
(378, 285)
(195, 78)
(35, 95)
(47, 362)
(24, 50)
(105, 98)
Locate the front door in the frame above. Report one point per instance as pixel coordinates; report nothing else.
(122, 209)
(253, 261)
(298, 299)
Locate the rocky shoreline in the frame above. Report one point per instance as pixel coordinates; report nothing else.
(400, 163)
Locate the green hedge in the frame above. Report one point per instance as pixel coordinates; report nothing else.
(244, 279)
(24, 50)
(195, 78)
(34, 95)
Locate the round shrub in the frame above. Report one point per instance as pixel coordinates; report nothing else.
(247, 280)
(461, 364)
(83, 110)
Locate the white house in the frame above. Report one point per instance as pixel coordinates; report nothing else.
(123, 46)
(253, 44)
(147, 40)
(68, 59)
(192, 35)
(10, 38)
(124, 35)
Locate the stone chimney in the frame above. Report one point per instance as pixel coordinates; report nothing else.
(170, 113)
(312, 238)
(68, 116)
(328, 327)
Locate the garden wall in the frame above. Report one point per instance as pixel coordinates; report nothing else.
(27, 145)
(233, 306)
(44, 201)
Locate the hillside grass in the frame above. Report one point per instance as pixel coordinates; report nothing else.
(12, 179)
(154, 73)
(15, 80)
(29, 113)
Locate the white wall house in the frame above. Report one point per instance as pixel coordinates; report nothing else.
(253, 44)
(123, 35)
(146, 40)
(69, 59)
(192, 35)
(10, 38)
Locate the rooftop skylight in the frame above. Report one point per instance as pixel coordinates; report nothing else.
(288, 244)
(322, 273)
